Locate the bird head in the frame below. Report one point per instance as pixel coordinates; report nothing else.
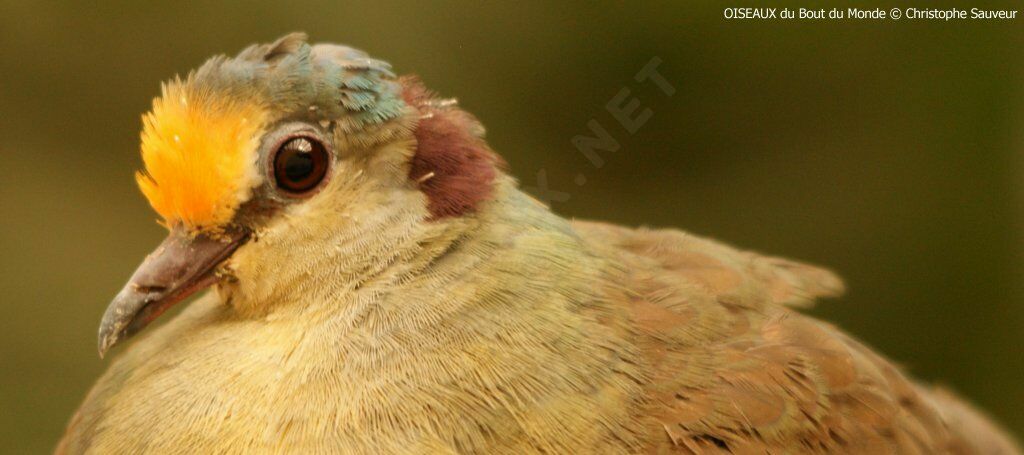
(260, 163)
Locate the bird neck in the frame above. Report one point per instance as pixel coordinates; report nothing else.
(499, 301)
(404, 269)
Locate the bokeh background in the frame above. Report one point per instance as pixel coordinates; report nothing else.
(890, 151)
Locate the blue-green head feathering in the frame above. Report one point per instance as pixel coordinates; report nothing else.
(321, 82)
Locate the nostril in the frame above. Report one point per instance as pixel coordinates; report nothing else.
(148, 289)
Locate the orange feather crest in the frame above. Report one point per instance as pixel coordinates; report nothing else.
(199, 150)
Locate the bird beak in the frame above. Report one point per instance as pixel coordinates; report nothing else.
(181, 266)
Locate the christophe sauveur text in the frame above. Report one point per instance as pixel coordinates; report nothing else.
(874, 13)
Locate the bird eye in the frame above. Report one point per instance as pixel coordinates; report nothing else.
(300, 164)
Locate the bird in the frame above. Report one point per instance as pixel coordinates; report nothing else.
(377, 282)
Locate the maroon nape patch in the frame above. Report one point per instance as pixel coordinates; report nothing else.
(453, 166)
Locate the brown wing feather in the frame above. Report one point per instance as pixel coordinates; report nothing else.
(733, 370)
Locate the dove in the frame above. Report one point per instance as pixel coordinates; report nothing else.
(375, 281)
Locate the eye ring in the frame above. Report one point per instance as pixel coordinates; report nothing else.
(300, 164)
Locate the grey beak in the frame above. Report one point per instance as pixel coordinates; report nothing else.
(181, 266)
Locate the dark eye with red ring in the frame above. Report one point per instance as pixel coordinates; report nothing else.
(300, 164)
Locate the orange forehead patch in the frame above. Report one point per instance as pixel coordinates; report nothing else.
(199, 151)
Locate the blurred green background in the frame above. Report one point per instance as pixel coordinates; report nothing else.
(889, 151)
